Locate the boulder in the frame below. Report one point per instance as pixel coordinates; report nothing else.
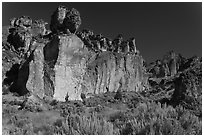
(23, 21)
(64, 20)
(23, 32)
(17, 37)
(72, 21)
(38, 28)
(57, 18)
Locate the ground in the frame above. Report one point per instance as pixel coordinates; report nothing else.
(131, 114)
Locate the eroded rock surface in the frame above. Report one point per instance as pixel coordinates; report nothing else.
(64, 66)
(108, 70)
(170, 65)
(65, 21)
(60, 64)
(69, 67)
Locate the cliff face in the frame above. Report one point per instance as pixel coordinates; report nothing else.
(68, 68)
(64, 67)
(61, 64)
(110, 71)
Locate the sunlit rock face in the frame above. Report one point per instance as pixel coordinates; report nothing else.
(68, 68)
(54, 69)
(110, 71)
(78, 71)
(64, 67)
(35, 82)
(60, 64)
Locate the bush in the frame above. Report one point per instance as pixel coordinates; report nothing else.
(87, 125)
(155, 119)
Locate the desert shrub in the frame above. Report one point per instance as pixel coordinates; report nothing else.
(194, 104)
(118, 95)
(8, 110)
(46, 129)
(133, 98)
(191, 123)
(99, 108)
(119, 119)
(100, 99)
(20, 126)
(76, 124)
(157, 119)
(71, 107)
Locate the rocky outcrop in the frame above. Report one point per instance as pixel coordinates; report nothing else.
(23, 21)
(184, 88)
(65, 66)
(54, 69)
(73, 20)
(109, 70)
(65, 21)
(38, 28)
(23, 32)
(67, 70)
(99, 43)
(170, 65)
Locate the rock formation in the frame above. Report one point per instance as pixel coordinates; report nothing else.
(23, 32)
(65, 21)
(63, 71)
(170, 65)
(184, 88)
(69, 67)
(38, 28)
(107, 69)
(62, 65)
(132, 45)
(72, 20)
(23, 21)
(57, 19)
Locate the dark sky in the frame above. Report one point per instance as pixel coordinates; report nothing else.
(157, 27)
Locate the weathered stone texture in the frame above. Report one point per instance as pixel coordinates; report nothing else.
(65, 21)
(64, 66)
(69, 68)
(170, 65)
(108, 70)
(35, 83)
(61, 65)
(30, 77)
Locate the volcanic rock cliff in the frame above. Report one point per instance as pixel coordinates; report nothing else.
(67, 64)
(60, 64)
